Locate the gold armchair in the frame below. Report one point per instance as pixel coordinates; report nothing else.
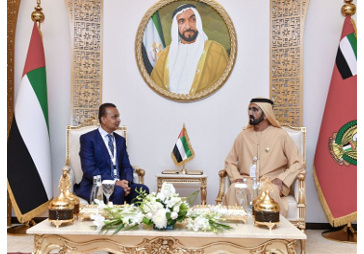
(73, 147)
(297, 198)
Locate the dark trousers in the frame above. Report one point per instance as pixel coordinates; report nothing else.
(118, 196)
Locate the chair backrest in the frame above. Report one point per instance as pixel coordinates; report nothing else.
(73, 145)
(298, 134)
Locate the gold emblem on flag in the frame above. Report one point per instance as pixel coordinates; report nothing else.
(343, 144)
(156, 50)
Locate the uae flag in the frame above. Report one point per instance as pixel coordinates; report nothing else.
(335, 162)
(153, 42)
(28, 154)
(182, 150)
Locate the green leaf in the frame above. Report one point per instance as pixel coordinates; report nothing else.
(135, 226)
(147, 221)
(118, 229)
(190, 199)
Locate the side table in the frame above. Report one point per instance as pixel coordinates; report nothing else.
(184, 178)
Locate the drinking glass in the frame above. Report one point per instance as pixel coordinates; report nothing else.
(239, 194)
(108, 188)
(242, 196)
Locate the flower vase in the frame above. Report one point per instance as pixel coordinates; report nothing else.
(169, 227)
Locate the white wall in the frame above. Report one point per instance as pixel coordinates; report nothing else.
(154, 122)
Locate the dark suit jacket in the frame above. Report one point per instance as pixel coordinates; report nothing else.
(95, 160)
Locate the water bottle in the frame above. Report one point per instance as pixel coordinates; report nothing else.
(253, 194)
(93, 191)
(99, 194)
(242, 195)
(246, 202)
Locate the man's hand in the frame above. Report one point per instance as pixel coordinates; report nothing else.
(279, 183)
(124, 184)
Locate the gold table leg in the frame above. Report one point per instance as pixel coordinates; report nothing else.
(202, 181)
(203, 191)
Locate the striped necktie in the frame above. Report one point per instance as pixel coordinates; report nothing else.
(111, 144)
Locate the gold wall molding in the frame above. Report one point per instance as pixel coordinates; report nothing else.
(286, 59)
(12, 9)
(12, 12)
(85, 19)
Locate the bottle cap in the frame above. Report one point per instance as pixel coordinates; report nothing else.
(241, 185)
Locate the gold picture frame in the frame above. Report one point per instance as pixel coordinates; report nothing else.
(218, 27)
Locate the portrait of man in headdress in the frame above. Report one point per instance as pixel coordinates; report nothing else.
(192, 62)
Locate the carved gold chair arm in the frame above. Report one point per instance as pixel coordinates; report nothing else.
(221, 193)
(140, 172)
(301, 202)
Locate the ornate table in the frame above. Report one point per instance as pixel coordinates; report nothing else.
(184, 178)
(80, 237)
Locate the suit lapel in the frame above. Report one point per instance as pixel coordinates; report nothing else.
(118, 146)
(118, 142)
(100, 142)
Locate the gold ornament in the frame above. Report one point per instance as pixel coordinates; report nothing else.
(68, 193)
(61, 209)
(38, 15)
(348, 8)
(266, 209)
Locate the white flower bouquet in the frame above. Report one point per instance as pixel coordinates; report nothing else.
(163, 209)
(207, 219)
(118, 217)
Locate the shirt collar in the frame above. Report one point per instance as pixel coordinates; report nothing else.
(104, 133)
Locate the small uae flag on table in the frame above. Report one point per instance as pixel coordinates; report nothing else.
(182, 150)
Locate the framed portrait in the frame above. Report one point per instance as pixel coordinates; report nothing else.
(186, 50)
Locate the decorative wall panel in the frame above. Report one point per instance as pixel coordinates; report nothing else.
(12, 11)
(85, 17)
(286, 60)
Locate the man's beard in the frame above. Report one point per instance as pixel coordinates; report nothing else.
(190, 38)
(254, 121)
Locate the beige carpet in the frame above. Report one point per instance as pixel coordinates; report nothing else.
(316, 244)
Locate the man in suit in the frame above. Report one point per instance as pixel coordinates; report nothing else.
(103, 152)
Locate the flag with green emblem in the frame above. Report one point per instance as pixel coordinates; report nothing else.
(335, 162)
(153, 42)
